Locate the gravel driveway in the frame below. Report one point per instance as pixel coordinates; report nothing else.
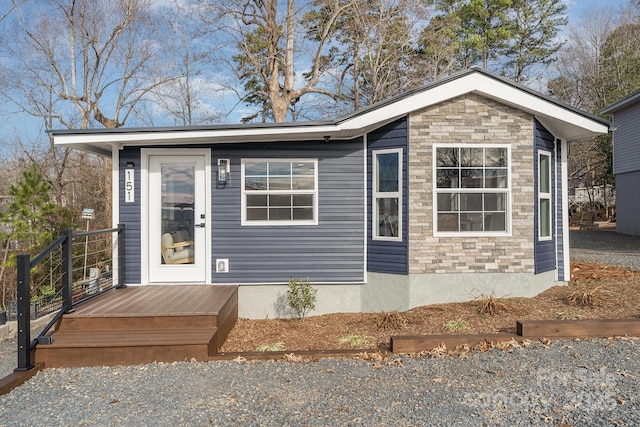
(605, 247)
(566, 383)
(593, 382)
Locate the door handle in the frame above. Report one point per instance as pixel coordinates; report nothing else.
(201, 225)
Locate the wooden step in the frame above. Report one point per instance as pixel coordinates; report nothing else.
(418, 343)
(70, 322)
(578, 328)
(143, 324)
(109, 348)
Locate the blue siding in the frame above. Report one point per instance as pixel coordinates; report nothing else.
(626, 167)
(626, 142)
(382, 256)
(330, 252)
(130, 216)
(544, 251)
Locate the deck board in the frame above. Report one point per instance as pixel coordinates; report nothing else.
(137, 301)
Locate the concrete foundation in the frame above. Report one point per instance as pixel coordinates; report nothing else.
(388, 292)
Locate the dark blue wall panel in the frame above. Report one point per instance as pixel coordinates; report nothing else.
(545, 251)
(330, 252)
(130, 216)
(383, 256)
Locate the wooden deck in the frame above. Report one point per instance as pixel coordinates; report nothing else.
(143, 324)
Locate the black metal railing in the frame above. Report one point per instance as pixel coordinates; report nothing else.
(60, 263)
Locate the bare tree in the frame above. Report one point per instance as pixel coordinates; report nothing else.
(268, 39)
(598, 65)
(80, 64)
(381, 34)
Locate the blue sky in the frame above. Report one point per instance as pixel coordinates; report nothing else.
(577, 8)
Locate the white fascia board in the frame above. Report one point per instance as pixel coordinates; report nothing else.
(412, 103)
(195, 136)
(568, 123)
(561, 121)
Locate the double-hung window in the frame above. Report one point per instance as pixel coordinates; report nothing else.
(279, 191)
(544, 195)
(472, 189)
(387, 194)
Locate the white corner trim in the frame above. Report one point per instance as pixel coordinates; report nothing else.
(365, 245)
(115, 208)
(565, 210)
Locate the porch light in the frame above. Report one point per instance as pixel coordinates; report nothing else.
(223, 171)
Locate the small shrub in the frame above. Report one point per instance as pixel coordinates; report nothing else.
(588, 296)
(278, 346)
(392, 320)
(301, 297)
(354, 340)
(456, 325)
(490, 304)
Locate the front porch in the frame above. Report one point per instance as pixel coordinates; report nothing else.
(142, 324)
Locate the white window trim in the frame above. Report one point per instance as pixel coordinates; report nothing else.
(508, 191)
(390, 195)
(546, 196)
(245, 222)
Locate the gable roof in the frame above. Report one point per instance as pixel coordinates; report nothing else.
(559, 118)
(625, 102)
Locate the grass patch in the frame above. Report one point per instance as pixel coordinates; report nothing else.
(354, 340)
(456, 325)
(566, 315)
(278, 346)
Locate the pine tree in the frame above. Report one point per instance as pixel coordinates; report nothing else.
(534, 26)
(31, 212)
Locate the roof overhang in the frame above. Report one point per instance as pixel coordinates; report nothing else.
(632, 99)
(562, 120)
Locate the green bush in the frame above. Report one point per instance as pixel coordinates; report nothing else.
(301, 297)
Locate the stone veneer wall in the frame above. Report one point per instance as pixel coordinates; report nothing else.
(470, 119)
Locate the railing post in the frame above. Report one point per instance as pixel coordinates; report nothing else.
(121, 257)
(67, 271)
(24, 313)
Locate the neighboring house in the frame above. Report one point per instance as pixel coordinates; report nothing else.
(592, 195)
(441, 194)
(589, 203)
(626, 162)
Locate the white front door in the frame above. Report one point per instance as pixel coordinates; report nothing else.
(177, 220)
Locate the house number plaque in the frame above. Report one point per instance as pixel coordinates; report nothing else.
(129, 186)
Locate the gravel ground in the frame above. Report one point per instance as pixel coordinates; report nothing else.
(605, 247)
(565, 383)
(8, 356)
(593, 382)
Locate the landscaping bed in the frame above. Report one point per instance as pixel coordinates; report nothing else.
(595, 292)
